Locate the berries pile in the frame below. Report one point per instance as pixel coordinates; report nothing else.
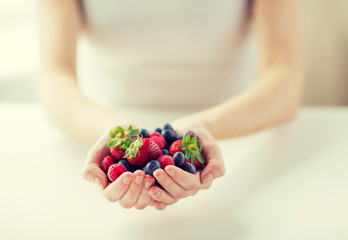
(136, 149)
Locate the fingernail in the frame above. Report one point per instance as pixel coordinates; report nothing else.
(138, 179)
(127, 180)
(157, 194)
(171, 173)
(148, 185)
(99, 183)
(161, 177)
(207, 178)
(162, 205)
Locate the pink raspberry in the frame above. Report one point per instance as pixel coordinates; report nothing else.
(106, 163)
(158, 139)
(165, 160)
(115, 171)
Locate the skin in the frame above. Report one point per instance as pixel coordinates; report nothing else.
(272, 100)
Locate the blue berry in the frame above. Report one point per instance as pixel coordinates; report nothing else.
(168, 126)
(127, 165)
(179, 159)
(167, 146)
(144, 133)
(188, 167)
(179, 138)
(169, 135)
(158, 130)
(165, 151)
(151, 167)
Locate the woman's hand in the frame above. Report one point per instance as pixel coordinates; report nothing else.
(177, 183)
(130, 189)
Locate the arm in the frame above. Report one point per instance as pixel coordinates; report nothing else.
(276, 95)
(272, 100)
(60, 26)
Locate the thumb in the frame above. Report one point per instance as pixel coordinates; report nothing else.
(94, 174)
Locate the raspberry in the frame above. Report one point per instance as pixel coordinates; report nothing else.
(106, 163)
(115, 171)
(165, 160)
(158, 139)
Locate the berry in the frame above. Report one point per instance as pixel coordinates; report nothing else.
(127, 165)
(195, 163)
(106, 163)
(151, 167)
(122, 138)
(179, 138)
(158, 138)
(169, 135)
(174, 147)
(168, 126)
(141, 151)
(117, 153)
(192, 150)
(144, 133)
(115, 171)
(191, 133)
(158, 130)
(188, 167)
(179, 159)
(165, 151)
(165, 160)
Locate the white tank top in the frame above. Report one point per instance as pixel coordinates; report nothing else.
(173, 54)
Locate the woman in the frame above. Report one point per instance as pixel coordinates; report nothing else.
(191, 61)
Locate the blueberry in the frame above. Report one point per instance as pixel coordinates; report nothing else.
(167, 146)
(168, 126)
(179, 138)
(165, 151)
(151, 167)
(188, 167)
(179, 159)
(127, 165)
(169, 135)
(158, 130)
(144, 133)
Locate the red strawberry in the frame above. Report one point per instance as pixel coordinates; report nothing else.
(117, 153)
(165, 160)
(196, 163)
(141, 151)
(174, 147)
(106, 163)
(115, 171)
(158, 138)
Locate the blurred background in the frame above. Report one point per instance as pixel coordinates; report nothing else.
(326, 40)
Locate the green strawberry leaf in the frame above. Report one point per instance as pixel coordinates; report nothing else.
(194, 140)
(130, 128)
(187, 154)
(200, 158)
(133, 132)
(112, 144)
(112, 134)
(193, 158)
(120, 129)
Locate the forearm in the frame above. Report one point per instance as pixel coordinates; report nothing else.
(274, 99)
(71, 112)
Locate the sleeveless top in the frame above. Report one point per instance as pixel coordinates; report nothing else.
(165, 56)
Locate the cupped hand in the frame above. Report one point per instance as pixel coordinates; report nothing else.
(130, 189)
(179, 184)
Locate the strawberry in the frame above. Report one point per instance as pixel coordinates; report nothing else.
(117, 153)
(165, 160)
(143, 150)
(174, 147)
(191, 149)
(106, 163)
(115, 171)
(158, 138)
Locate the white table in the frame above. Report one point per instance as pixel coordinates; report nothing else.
(288, 182)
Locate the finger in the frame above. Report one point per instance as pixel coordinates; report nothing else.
(172, 187)
(161, 195)
(91, 170)
(188, 181)
(132, 194)
(159, 205)
(115, 190)
(215, 165)
(145, 199)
